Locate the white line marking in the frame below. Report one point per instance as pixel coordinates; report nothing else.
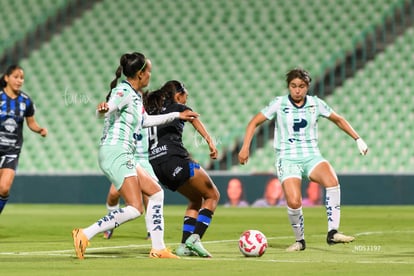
(70, 252)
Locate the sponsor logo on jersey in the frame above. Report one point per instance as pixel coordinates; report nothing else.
(10, 125)
(177, 171)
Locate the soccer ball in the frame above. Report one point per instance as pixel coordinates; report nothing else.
(252, 243)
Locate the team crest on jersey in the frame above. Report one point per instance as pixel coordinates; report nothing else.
(130, 164)
(22, 106)
(312, 109)
(120, 94)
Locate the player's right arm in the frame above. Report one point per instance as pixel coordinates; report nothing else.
(343, 124)
(257, 120)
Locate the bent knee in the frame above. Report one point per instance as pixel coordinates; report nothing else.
(294, 203)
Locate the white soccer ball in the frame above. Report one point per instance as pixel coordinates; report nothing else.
(252, 243)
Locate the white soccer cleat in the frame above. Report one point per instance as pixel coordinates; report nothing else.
(335, 237)
(297, 246)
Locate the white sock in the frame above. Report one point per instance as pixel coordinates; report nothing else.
(297, 221)
(333, 207)
(111, 221)
(112, 208)
(147, 220)
(154, 219)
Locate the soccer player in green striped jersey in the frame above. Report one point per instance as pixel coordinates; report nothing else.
(146, 174)
(297, 153)
(124, 118)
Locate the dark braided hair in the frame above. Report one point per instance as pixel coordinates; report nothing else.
(155, 101)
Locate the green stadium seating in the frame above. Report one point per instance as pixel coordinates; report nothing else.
(231, 55)
(19, 17)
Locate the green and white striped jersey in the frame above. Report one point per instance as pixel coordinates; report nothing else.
(141, 152)
(296, 128)
(123, 121)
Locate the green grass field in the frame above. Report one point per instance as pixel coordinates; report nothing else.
(36, 240)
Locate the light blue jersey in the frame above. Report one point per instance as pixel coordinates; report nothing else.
(296, 130)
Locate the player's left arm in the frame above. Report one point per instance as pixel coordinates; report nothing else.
(343, 124)
(34, 126)
(199, 126)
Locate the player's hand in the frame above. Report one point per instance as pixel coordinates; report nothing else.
(362, 146)
(43, 132)
(243, 156)
(102, 107)
(188, 115)
(213, 152)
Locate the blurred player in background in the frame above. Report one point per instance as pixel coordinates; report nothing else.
(15, 107)
(177, 171)
(272, 196)
(124, 118)
(235, 194)
(298, 155)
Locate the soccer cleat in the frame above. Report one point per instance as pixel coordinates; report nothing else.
(297, 246)
(335, 237)
(184, 251)
(162, 254)
(108, 234)
(193, 242)
(80, 241)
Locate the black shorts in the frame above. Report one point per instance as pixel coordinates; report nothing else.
(9, 161)
(175, 172)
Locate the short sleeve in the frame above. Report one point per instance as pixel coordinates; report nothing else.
(270, 110)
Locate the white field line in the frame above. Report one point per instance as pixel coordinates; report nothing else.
(70, 252)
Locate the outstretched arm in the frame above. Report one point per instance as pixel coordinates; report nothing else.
(343, 124)
(155, 120)
(244, 153)
(199, 126)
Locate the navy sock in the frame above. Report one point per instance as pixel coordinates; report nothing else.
(188, 227)
(3, 201)
(203, 221)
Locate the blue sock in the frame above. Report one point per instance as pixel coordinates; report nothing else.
(203, 221)
(188, 228)
(3, 201)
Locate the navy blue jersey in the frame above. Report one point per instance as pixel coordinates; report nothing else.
(12, 114)
(166, 140)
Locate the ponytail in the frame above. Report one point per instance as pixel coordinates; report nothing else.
(129, 65)
(114, 82)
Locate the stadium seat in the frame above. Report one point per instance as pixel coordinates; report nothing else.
(232, 56)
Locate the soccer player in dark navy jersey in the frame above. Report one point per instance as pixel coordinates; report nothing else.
(176, 170)
(15, 106)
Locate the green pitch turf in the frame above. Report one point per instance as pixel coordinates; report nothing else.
(36, 240)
